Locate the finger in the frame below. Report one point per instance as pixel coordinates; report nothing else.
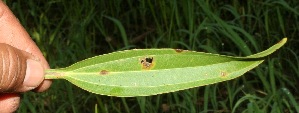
(12, 33)
(9, 103)
(43, 86)
(20, 71)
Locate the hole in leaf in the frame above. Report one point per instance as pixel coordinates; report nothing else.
(147, 62)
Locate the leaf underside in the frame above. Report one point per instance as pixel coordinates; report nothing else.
(143, 72)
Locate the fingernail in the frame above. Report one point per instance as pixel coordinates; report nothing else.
(34, 74)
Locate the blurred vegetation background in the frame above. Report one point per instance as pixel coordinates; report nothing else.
(70, 31)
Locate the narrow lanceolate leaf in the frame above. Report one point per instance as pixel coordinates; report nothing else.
(143, 72)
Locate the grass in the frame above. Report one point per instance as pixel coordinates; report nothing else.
(69, 31)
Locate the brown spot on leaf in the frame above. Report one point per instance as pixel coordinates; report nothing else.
(104, 72)
(147, 62)
(223, 74)
(178, 50)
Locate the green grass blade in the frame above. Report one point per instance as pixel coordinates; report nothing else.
(121, 29)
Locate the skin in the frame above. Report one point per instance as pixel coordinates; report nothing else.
(22, 64)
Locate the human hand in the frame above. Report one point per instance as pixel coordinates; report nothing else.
(26, 69)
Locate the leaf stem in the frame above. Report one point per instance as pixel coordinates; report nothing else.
(53, 74)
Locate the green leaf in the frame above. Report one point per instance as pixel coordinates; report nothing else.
(143, 72)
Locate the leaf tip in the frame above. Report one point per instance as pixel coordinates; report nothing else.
(284, 40)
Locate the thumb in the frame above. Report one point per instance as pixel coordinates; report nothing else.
(19, 70)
